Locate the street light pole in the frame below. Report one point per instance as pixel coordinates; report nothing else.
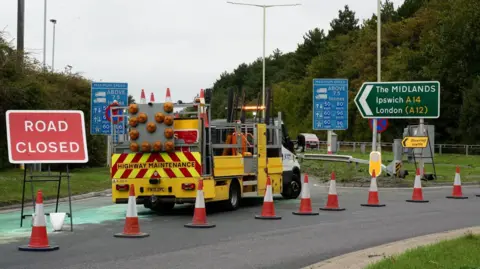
(379, 66)
(44, 35)
(53, 47)
(264, 37)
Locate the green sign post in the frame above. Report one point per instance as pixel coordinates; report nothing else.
(406, 100)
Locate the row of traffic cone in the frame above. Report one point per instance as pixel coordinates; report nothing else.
(39, 239)
(168, 98)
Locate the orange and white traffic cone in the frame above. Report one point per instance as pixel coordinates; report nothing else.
(417, 195)
(143, 99)
(306, 201)
(332, 201)
(373, 200)
(168, 97)
(268, 209)
(131, 228)
(457, 187)
(39, 238)
(200, 214)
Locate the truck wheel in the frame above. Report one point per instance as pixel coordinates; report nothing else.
(234, 196)
(160, 207)
(293, 188)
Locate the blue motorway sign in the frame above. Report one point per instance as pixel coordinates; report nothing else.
(330, 104)
(102, 95)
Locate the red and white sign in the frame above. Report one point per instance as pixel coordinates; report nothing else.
(46, 136)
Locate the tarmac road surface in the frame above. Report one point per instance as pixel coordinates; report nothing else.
(239, 241)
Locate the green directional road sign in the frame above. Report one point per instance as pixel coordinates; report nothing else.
(406, 100)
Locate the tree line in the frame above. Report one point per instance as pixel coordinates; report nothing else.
(34, 88)
(422, 40)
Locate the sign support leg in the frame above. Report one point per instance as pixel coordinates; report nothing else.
(379, 142)
(421, 163)
(69, 198)
(374, 135)
(329, 141)
(23, 192)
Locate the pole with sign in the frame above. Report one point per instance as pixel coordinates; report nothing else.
(330, 106)
(46, 136)
(103, 96)
(400, 100)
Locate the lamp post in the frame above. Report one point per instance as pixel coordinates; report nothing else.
(54, 22)
(379, 66)
(264, 24)
(44, 35)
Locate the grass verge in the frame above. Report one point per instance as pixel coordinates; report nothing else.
(460, 253)
(444, 166)
(81, 181)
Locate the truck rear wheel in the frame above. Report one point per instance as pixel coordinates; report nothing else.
(234, 196)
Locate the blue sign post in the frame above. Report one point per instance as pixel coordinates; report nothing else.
(330, 104)
(102, 96)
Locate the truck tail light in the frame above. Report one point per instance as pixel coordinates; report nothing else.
(122, 187)
(188, 186)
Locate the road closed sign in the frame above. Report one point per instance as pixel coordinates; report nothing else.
(46, 136)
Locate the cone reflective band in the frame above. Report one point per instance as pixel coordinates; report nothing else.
(457, 187)
(132, 227)
(332, 200)
(373, 200)
(199, 215)
(417, 195)
(39, 238)
(375, 163)
(306, 201)
(268, 209)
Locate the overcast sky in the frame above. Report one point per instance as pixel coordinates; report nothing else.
(155, 44)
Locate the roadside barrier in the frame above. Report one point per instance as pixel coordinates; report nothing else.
(332, 200)
(305, 202)
(457, 187)
(200, 215)
(417, 195)
(268, 209)
(132, 227)
(373, 200)
(38, 237)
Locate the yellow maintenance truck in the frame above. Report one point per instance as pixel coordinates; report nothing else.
(165, 153)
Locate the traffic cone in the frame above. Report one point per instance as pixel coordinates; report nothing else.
(39, 238)
(373, 193)
(332, 201)
(329, 149)
(131, 228)
(417, 195)
(306, 201)
(143, 99)
(457, 187)
(199, 215)
(268, 209)
(152, 98)
(168, 97)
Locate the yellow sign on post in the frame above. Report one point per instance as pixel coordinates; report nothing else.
(375, 163)
(415, 142)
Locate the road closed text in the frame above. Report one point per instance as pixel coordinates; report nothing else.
(47, 136)
(55, 128)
